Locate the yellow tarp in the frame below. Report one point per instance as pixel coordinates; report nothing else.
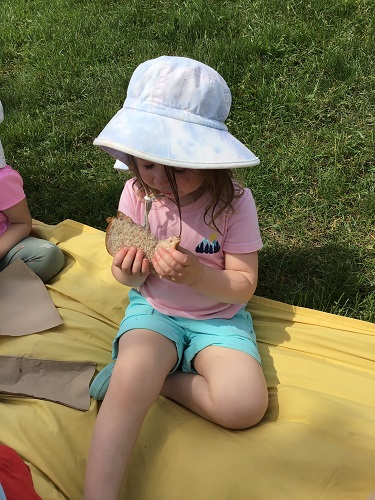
(317, 440)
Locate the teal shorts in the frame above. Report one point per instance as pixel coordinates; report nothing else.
(189, 335)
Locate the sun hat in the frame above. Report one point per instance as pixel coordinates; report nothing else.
(2, 156)
(174, 115)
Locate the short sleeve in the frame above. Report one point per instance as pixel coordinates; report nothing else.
(11, 188)
(243, 233)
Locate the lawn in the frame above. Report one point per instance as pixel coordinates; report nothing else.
(302, 80)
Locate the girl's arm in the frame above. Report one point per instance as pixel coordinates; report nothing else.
(19, 228)
(233, 285)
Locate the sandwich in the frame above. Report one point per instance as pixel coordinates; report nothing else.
(123, 232)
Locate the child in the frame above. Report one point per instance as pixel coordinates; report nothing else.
(42, 257)
(186, 334)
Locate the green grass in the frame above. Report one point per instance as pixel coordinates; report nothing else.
(302, 81)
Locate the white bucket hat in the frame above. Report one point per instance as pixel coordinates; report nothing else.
(2, 157)
(174, 115)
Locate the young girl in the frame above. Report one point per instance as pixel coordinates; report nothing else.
(42, 257)
(186, 333)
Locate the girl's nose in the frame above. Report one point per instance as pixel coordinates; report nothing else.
(160, 176)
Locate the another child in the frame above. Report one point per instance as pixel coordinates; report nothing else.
(186, 334)
(42, 257)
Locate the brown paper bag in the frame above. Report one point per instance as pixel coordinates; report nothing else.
(25, 304)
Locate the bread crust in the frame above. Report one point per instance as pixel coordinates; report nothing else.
(123, 232)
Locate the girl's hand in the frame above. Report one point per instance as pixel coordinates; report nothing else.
(179, 266)
(130, 267)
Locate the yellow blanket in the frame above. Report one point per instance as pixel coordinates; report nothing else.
(317, 440)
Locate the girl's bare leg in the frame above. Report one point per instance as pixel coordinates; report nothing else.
(145, 358)
(229, 390)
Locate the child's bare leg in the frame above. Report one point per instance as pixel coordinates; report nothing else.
(145, 358)
(230, 389)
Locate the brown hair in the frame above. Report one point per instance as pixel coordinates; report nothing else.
(219, 183)
(223, 191)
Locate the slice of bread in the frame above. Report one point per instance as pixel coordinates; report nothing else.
(123, 232)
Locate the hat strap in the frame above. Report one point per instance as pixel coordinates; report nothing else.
(149, 200)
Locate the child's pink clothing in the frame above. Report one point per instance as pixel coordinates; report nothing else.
(239, 234)
(11, 193)
(42, 257)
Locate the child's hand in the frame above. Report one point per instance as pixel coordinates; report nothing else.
(131, 262)
(179, 266)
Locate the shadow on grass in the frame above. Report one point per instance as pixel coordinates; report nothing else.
(329, 278)
(89, 201)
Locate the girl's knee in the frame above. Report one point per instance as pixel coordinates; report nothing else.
(135, 380)
(243, 419)
(53, 255)
(243, 413)
(49, 261)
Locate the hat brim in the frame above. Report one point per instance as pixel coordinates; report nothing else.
(169, 141)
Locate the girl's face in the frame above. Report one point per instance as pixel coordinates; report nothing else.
(154, 175)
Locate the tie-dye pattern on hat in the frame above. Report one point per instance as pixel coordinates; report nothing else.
(174, 115)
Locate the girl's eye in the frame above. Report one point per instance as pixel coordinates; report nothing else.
(148, 167)
(179, 170)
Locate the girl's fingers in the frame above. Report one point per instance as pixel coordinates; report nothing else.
(167, 266)
(119, 257)
(134, 261)
(131, 261)
(145, 267)
(164, 261)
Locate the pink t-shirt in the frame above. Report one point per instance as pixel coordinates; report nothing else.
(11, 193)
(240, 234)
